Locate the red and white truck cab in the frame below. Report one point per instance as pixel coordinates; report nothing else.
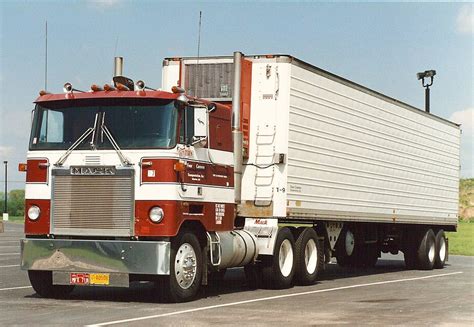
(121, 182)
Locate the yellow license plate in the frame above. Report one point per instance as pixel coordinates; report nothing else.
(99, 279)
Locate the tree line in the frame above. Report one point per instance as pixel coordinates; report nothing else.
(15, 204)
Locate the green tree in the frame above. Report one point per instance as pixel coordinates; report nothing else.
(16, 202)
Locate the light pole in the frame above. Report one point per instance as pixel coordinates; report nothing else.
(426, 74)
(5, 209)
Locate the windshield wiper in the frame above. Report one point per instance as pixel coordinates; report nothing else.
(105, 130)
(74, 146)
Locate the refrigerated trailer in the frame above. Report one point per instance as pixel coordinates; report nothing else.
(264, 162)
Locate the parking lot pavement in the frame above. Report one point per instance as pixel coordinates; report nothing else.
(385, 295)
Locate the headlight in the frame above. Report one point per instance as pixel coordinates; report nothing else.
(156, 214)
(34, 212)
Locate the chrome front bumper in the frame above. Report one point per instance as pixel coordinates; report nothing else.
(130, 257)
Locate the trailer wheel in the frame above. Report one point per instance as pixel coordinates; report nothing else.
(279, 271)
(441, 249)
(42, 282)
(185, 276)
(426, 251)
(345, 248)
(309, 256)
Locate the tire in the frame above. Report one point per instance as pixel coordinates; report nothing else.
(279, 271)
(441, 249)
(184, 280)
(309, 257)
(425, 254)
(42, 282)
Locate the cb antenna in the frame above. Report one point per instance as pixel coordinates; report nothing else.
(198, 54)
(46, 57)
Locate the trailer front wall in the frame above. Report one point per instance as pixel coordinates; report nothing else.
(356, 156)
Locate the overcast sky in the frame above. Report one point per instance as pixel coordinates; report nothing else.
(379, 45)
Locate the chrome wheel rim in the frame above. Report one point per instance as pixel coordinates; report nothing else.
(285, 258)
(349, 243)
(185, 265)
(431, 252)
(311, 256)
(442, 250)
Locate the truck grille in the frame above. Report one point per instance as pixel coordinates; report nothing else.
(92, 205)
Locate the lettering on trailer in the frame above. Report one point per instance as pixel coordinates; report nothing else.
(81, 170)
(220, 213)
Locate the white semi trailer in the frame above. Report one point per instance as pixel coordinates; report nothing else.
(367, 172)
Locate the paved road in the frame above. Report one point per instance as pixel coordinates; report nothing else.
(386, 294)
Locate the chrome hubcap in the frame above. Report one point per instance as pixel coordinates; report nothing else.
(442, 250)
(431, 253)
(185, 265)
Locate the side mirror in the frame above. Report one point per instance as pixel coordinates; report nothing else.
(200, 123)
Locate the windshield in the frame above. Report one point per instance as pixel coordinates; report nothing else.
(132, 126)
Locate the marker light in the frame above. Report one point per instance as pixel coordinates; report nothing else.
(121, 87)
(177, 89)
(43, 92)
(108, 87)
(22, 167)
(34, 212)
(156, 214)
(95, 88)
(179, 166)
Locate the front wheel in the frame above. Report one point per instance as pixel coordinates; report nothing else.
(185, 277)
(42, 282)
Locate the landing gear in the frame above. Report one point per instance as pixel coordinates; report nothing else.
(185, 276)
(42, 282)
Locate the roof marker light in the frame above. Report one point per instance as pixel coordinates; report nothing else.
(95, 88)
(108, 87)
(177, 89)
(121, 87)
(43, 92)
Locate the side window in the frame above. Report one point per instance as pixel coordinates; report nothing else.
(186, 130)
(52, 127)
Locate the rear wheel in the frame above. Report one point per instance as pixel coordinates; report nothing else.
(309, 256)
(426, 250)
(185, 276)
(441, 249)
(279, 271)
(42, 282)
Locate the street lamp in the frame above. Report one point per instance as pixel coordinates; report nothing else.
(426, 74)
(5, 209)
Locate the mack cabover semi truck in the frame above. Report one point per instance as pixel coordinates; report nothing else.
(263, 162)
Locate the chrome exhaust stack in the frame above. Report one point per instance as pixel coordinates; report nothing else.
(236, 131)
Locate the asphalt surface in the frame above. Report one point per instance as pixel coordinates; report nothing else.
(385, 295)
